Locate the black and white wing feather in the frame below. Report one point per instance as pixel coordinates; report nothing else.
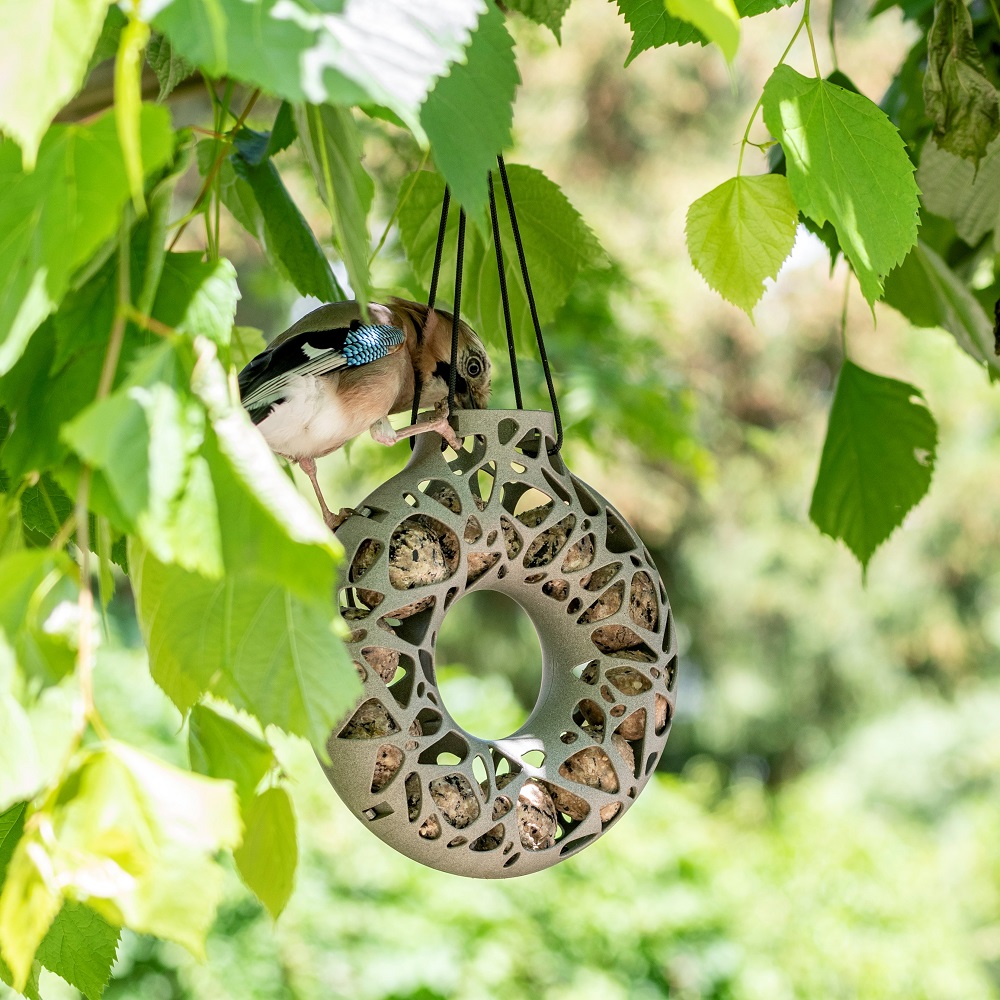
(265, 381)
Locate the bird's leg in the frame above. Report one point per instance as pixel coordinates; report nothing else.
(333, 521)
(383, 433)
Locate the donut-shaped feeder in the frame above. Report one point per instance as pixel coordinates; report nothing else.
(502, 514)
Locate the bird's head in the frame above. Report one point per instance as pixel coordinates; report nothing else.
(432, 356)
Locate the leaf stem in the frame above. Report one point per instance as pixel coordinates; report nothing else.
(760, 100)
(831, 31)
(812, 41)
(400, 205)
(206, 186)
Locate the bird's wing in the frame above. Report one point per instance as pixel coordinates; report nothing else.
(265, 380)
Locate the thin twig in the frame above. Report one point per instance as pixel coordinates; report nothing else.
(400, 204)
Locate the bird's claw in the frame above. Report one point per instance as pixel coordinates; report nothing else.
(334, 521)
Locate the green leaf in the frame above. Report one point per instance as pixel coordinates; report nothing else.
(56, 217)
(959, 99)
(468, 114)
(197, 297)
(44, 50)
(717, 20)
(169, 67)
(45, 507)
(740, 233)
(38, 595)
(877, 460)
(246, 344)
(134, 839)
(80, 947)
(11, 829)
(146, 439)
(547, 12)
(558, 244)
(332, 144)
(956, 189)
(751, 8)
(928, 293)
(255, 645)
(267, 858)
(334, 54)
(279, 225)
(652, 27)
(847, 164)
(222, 748)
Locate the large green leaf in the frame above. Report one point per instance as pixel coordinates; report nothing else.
(652, 26)
(558, 244)
(717, 20)
(740, 233)
(54, 218)
(222, 748)
(11, 828)
(134, 839)
(44, 51)
(146, 440)
(197, 297)
(956, 189)
(959, 99)
(547, 12)
(269, 213)
(846, 163)
(928, 293)
(269, 853)
(346, 53)
(80, 947)
(877, 460)
(469, 112)
(258, 646)
(332, 144)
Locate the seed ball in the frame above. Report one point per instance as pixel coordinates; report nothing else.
(579, 555)
(606, 605)
(422, 551)
(454, 796)
(480, 563)
(369, 722)
(549, 543)
(628, 680)
(430, 829)
(413, 795)
(534, 517)
(501, 806)
(473, 531)
(490, 840)
(511, 538)
(662, 713)
(626, 751)
(445, 495)
(366, 557)
(621, 642)
(536, 817)
(568, 803)
(600, 577)
(591, 767)
(388, 761)
(634, 727)
(642, 605)
(384, 661)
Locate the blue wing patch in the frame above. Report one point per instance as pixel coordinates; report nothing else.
(369, 343)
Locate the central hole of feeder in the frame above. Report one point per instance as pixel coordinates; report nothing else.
(488, 664)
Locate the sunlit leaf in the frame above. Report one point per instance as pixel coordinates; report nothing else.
(717, 20)
(80, 947)
(547, 12)
(469, 112)
(222, 748)
(740, 233)
(653, 26)
(44, 50)
(56, 217)
(847, 164)
(268, 856)
(128, 103)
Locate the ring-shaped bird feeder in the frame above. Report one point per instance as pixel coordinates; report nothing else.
(503, 513)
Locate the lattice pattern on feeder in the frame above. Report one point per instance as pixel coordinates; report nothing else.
(502, 514)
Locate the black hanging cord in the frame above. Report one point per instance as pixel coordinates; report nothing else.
(531, 303)
(504, 297)
(459, 259)
(431, 298)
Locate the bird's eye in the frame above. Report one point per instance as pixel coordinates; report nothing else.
(474, 368)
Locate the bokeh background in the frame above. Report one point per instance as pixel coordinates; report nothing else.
(825, 822)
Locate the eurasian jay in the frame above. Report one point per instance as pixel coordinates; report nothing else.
(331, 376)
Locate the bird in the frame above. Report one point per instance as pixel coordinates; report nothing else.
(333, 374)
